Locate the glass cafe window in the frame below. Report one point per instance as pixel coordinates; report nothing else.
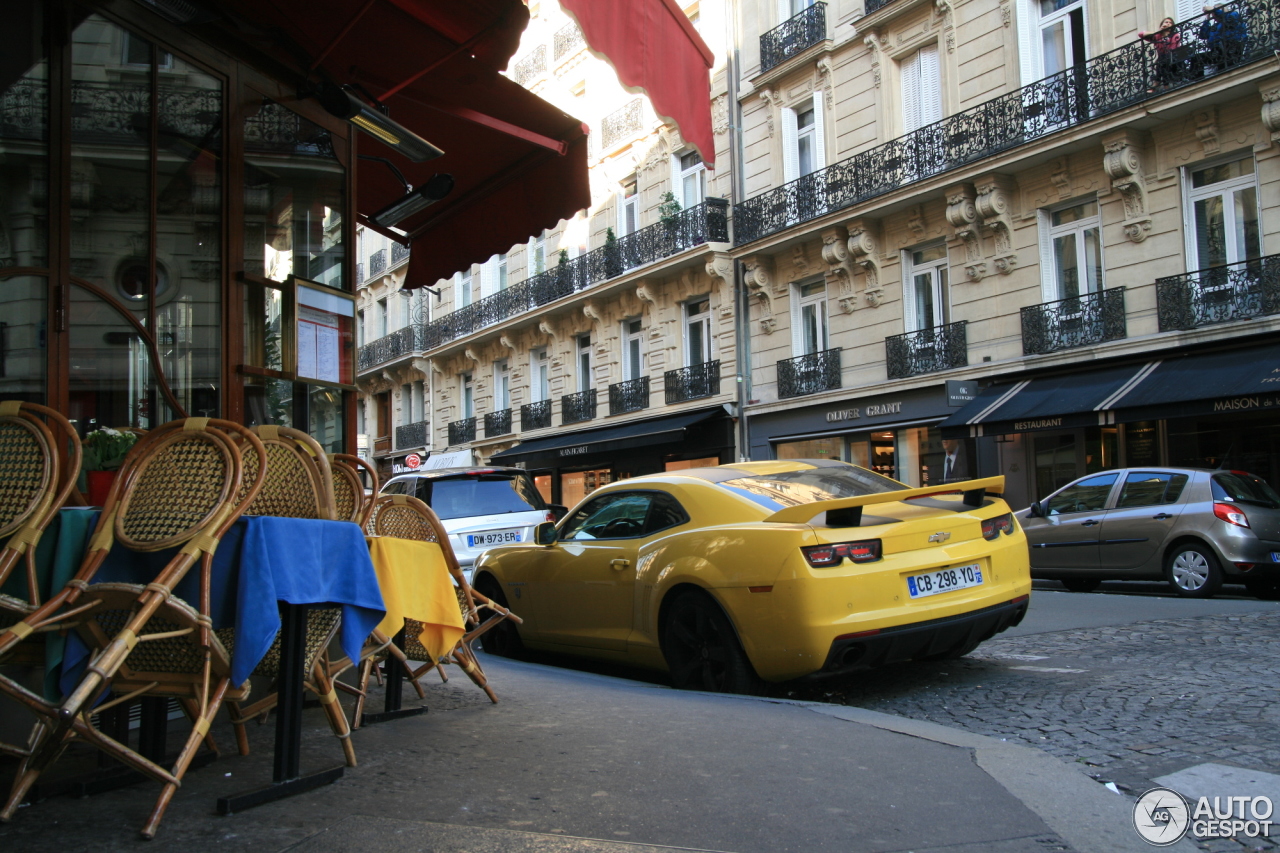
(145, 330)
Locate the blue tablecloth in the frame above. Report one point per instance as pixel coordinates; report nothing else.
(263, 561)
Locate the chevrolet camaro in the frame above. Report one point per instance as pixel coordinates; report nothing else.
(756, 572)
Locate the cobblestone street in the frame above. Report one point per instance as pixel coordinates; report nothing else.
(1133, 702)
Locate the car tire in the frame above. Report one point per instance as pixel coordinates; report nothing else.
(502, 639)
(1268, 589)
(1192, 571)
(1081, 584)
(702, 650)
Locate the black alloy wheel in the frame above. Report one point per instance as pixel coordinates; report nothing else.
(502, 639)
(702, 650)
(1081, 584)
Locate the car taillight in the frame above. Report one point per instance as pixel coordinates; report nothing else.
(1231, 514)
(993, 527)
(825, 556)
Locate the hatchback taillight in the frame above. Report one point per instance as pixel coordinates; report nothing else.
(825, 556)
(1231, 514)
(993, 527)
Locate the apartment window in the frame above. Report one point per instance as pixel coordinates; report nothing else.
(584, 362)
(692, 179)
(629, 211)
(697, 331)
(632, 350)
(809, 318)
(382, 318)
(501, 385)
(539, 375)
(503, 283)
(803, 142)
(137, 52)
(1051, 37)
(791, 8)
(406, 405)
(1072, 251)
(921, 89)
(1224, 214)
(382, 414)
(538, 253)
(464, 289)
(925, 284)
(360, 328)
(468, 396)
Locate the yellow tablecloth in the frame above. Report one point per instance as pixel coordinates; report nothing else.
(416, 585)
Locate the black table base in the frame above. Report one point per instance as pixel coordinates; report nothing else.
(393, 676)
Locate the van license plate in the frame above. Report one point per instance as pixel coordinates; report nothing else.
(493, 537)
(944, 580)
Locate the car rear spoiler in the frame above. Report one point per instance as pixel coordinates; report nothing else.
(847, 512)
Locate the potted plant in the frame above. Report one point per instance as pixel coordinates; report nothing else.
(612, 254)
(104, 451)
(669, 216)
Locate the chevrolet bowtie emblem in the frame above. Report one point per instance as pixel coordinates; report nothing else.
(940, 536)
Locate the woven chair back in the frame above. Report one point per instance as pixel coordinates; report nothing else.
(348, 494)
(298, 481)
(28, 468)
(356, 472)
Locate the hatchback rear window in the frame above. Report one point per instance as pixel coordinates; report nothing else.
(487, 494)
(792, 488)
(1244, 488)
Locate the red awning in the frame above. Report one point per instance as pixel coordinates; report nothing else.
(519, 164)
(653, 46)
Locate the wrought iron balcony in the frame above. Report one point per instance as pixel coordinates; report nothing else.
(629, 396)
(406, 341)
(1219, 294)
(809, 374)
(377, 262)
(1103, 85)
(621, 124)
(535, 415)
(497, 423)
(532, 65)
(704, 223)
(399, 253)
(566, 40)
(692, 382)
(579, 407)
(869, 6)
(926, 351)
(793, 36)
(412, 435)
(463, 431)
(1092, 318)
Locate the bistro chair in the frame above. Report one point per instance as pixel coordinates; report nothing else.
(179, 487)
(349, 496)
(407, 517)
(298, 483)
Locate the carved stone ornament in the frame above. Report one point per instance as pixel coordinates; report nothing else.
(994, 193)
(544, 326)
(645, 295)
(772, 103)
(826, 76)
(506, 342)
(1123, 162)
(719, 266)
(720, 114)
(836, 255)
(591, 311)
(874, 297)
(1207, 129)
(947, 16)
(848, 304)
(865, 252)
(962, 213)
(1271, 110)
(878, 46)
(800, 260)
(1061, 177)
(470, 354)
(768, 325)
(915, 221)
(760, 280)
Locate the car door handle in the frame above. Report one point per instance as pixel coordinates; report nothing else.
(1090, 523)
(1162, 516)
(618, 564)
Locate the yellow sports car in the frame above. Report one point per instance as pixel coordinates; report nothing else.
(770, 571)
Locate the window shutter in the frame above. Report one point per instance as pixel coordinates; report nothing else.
(1186, 9)
(909, 321)
(819, 135)
(1028, 47)
(784, 10)
(1048, 275)
(930, 91)
(487, 277)
(790, 147)
(797, 332)
(909, 74)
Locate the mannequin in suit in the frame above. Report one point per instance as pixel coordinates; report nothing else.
(955, 466)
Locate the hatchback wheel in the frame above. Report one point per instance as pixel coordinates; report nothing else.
(502, 639)
(1081, 584)
(702, 650)
(1267, 589)
(1192, 570)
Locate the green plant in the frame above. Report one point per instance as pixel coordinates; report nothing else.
(669, 209)
(610, 238)
(564, 257)
(105, 449)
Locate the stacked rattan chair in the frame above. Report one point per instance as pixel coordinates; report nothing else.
(181, 486)
(406, 517)
(350, 500)
(39, 461)
(298, 484)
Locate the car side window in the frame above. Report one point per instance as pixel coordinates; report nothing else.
(619, 515)
(393, 488)
(1144, 488)
(1174, 490)
(665, 512)
(1085, 496)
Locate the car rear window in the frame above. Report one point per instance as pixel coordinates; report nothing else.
(486, 494)
(792, 488)
(1244, 488)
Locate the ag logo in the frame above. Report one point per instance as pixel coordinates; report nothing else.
(1161, 817)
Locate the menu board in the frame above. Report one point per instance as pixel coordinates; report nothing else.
(325, 321)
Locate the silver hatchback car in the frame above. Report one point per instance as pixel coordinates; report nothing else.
(1195, 528)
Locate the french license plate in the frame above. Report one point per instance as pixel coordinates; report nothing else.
(493, 537)
(944, 580)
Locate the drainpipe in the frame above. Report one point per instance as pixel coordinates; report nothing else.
(737, 182)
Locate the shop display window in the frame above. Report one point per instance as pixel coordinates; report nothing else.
(814, 448)
(684, 464)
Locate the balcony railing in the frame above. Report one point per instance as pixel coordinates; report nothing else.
(629, 396)
(926, 351)
(809, 374)
(567, 39)
(463, 431)
(793, 36)
(579, 407)
(692, 382)
(398, 344)
(1219, 294)
(497, 423)
(704, 223)
(621, 124)
(869, 6)
(535, 415)
(532, 65)
(377, 262)
(412, 435)
(1103, 85)
(1092, 318)
(399, 253)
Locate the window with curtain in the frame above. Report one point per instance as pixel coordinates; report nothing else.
(1073, 249)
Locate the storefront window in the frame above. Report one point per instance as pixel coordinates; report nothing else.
(1060, 458)
(814, 448)
(685, 464)
(576, 485)
(1243, 442)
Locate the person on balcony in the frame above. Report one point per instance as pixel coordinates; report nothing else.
(1223, 33)
(1166, 41)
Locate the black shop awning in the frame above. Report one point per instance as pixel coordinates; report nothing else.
(566, 447)
(1205, 383)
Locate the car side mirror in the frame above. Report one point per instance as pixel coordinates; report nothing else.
(1037, 511)
(545, 533)
(558, 510)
